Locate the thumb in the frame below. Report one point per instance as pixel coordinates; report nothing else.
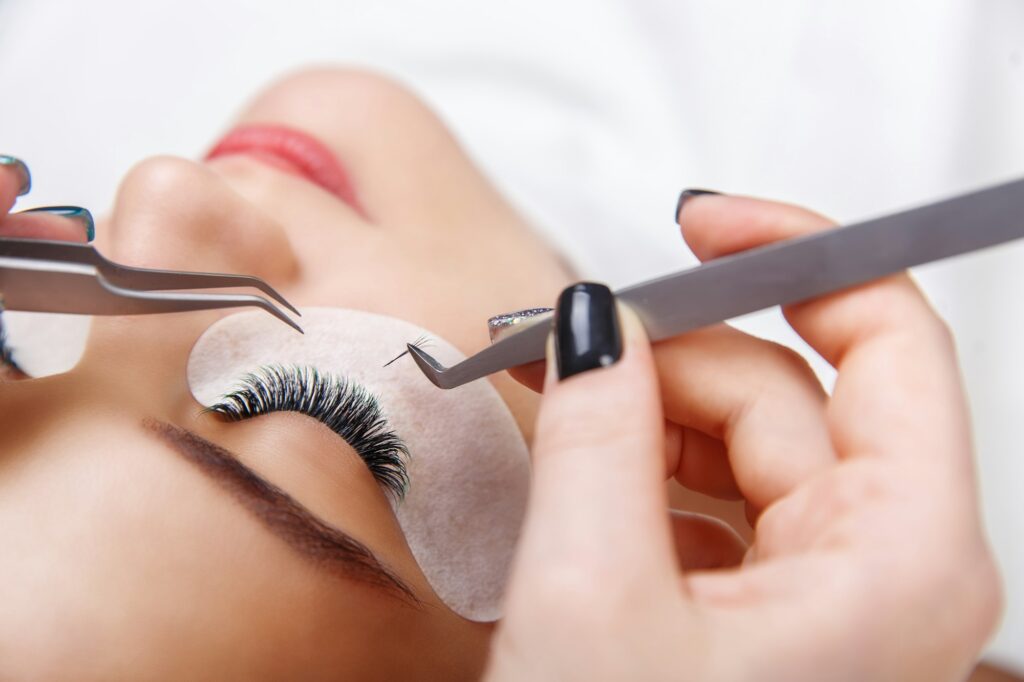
(598, 495)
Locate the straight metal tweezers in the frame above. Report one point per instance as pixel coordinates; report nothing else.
(63, 277)
(779, 274)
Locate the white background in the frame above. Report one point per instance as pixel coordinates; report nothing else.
(592, 115)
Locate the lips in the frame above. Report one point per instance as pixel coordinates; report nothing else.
(291, 151)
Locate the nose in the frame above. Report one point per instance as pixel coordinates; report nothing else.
(176, 214)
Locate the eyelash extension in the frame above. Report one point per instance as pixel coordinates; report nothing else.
(421, 342)
(346, 408)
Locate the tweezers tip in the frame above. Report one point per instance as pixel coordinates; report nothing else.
(418, 352)
(281, 299)
(289, 321)
(272, 292)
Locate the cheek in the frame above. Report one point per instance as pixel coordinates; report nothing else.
(117, 554)
(468, 468)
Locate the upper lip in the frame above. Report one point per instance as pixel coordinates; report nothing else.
(293, 151)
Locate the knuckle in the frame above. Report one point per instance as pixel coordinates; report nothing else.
(966, 602)
(786, 220)
(982, 598)
(574, 439)
(793, 365)
(579, 429)
(992, 597)
(858, 485)
(851, 489)
(943, 333)
(794, 361)
(583, 436)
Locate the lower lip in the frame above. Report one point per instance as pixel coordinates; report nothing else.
(291, 151)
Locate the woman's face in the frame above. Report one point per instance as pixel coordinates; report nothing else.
(133, 548)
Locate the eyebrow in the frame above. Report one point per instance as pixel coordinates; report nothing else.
(326, 546)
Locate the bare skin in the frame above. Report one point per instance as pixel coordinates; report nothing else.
(869, 561)
(121, 559)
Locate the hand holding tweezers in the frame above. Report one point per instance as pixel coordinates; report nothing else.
(64, 277)
(779, 274)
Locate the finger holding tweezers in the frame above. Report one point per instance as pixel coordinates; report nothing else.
(778, 274)
(62, 277)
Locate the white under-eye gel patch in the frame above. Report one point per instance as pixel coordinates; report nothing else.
(44, 344)
(468, 467)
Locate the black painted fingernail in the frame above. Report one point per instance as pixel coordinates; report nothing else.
(21, 169)
(587, 331)
(686, 194)
(82, 215)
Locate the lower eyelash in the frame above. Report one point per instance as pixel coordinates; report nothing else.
(346, 408)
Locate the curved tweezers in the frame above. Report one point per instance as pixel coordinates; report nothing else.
(62, 277)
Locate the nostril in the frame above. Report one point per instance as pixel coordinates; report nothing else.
(178, 214)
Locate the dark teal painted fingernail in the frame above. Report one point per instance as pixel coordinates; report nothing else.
(78, 213)
(22, 170)
(686, 194)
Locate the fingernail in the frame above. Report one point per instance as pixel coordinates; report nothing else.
(685, 195)
(22, 170)
(501, 323)
(82, 215)
(587, 331)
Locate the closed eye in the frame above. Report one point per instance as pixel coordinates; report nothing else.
(345, 407)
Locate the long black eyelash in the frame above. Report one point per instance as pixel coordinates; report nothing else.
(346, 408)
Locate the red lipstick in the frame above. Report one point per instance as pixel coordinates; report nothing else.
(291, 151)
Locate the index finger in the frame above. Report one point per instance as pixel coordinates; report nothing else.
(898, 391)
